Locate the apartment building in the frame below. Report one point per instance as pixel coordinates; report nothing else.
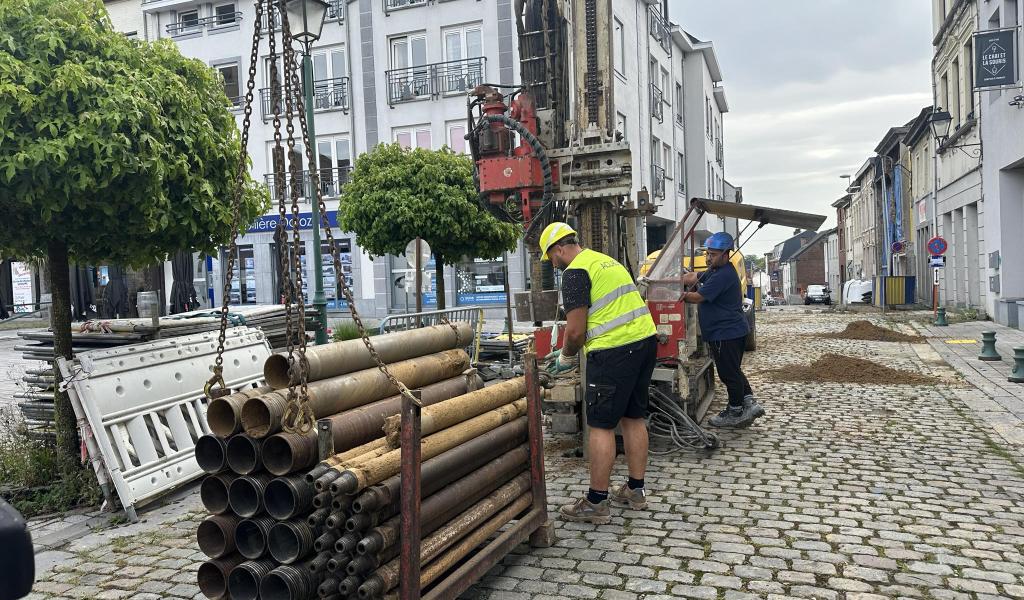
(959, 198)
(920, 145)
(1002, 131)
(398, 71)
(863, 213)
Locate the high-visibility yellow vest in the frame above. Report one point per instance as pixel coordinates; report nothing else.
(618, 315)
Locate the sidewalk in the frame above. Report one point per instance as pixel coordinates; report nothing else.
(997, 401)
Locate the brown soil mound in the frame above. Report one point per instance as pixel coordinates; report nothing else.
(837, 368)
(866, 330)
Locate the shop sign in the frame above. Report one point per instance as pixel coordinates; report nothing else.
(268, 223)
(995, 63)
(482, 298)
(21, 284)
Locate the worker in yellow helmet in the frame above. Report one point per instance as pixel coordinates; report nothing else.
(608, 319)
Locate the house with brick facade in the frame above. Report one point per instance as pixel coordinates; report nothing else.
(805, 266)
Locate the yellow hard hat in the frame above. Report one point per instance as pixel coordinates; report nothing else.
(551, 234)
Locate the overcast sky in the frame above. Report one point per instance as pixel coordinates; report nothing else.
(813, 86)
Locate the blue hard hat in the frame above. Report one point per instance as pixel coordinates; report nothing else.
(719, 241)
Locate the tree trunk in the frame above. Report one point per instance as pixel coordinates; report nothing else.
(439, 276)
(60, 321)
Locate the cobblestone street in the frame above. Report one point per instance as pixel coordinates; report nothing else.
(841, 491)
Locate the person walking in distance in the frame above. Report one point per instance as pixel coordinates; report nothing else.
(724, 328)
(609, 321)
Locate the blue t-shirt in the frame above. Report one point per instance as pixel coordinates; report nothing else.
(721, 313)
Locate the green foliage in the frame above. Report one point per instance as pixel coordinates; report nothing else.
(347, 330)
(395, 195)
(124, 150)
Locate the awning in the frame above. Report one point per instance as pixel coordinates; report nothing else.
(760, 214)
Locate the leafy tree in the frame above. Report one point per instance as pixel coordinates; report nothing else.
(395, 195)
(110, 150)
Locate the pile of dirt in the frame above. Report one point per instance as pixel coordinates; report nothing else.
(836, 368)
(866, 330)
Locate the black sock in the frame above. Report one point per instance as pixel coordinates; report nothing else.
(635, 484)
(596, 497)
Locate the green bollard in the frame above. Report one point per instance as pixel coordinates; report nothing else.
(1017, 374)
(988, 347)
(941, 319)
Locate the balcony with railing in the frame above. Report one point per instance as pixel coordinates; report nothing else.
(657, 103)
(207, 24)
(434, 80)
(719, 152)
(390, 5)
(272, 19)
(660, 31)
(331, 181)
(657, 182)
(328, 94)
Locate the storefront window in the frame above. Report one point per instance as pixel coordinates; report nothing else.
(403, 285)
(243, 277)
(332, 285)
(481, 282)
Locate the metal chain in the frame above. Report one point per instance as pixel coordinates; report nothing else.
(243, 160)
(325, 223)
(298, 416)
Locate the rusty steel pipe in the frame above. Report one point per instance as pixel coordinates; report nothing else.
(356, 427)
(340, 503)
(291, 541)
(346, 544)
(251, 536)
(323, 482)
(366, 563)
(338, 563)
(317, 471)
(445, 468)
(349, 585)
(334, 487)
(453, 499)
(326, 542)
(332, 462)
(212, 577)
(211, 454)
(285, 453)
(244, 580)
(216, 535)
(318, 564)
(288, 582)
(318, 517)
(214, 492)
(261, 416)
(379, 469)
(509, 500)
(245, 494)
(287, 497)
(224, 414)
(340, 358)
(460, 408)
(243, 454)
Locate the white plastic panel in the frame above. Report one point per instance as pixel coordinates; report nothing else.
(146, 407)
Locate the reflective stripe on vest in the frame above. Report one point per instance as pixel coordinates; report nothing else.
(612, 296)
(617, 321)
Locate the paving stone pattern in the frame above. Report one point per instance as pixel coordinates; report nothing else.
(858, 492)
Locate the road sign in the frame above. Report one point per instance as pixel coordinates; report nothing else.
(896, 247)
(937, 262)
(935, 280)
(937, 246)
(410, 254)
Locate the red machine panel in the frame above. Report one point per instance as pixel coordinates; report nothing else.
(670, 319)
(509, 173)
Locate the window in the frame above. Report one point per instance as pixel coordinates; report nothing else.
(229, 77)
(619, 48)
(707, 116)
(409, 58)
(225, 14)
(415, 137)
(681, 173)
(653, 73)
(969, 77)
(463, 43)
(463, 51)
(333, 160)
(329, 68)
(665, 87)
(456, 138)
(620, 125)
(954, 101)
(666, 152)
(409, 51)
(656, 151)
(679, 103)
(187, 20)
(944, 91)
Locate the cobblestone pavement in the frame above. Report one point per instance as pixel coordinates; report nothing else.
(841, 491)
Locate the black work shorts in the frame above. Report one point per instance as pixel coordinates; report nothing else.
(617, 381)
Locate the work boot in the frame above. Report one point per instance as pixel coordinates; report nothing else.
(585, 512)
(737, 417)
(635, 499)
(751, 404)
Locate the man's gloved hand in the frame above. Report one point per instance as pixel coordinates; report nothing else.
(553, 355)
(564, 364)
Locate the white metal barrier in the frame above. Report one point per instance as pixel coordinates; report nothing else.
(474, 315)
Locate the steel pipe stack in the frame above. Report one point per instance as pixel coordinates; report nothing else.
(273, 531)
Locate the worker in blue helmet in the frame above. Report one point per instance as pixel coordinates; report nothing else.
(724, 328)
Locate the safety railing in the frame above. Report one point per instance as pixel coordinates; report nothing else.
(474, 315)
(657, 103)
(657, 181)
(390, 5)
(427, 81)
(719, 152)
(328, 94)
(198, 25)
(659, 28)
(272, 19)
(331, 182)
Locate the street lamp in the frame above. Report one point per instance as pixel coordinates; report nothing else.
(940, 120)
(306, 21)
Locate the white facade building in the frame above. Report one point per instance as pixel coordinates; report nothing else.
(1002, 132)
(398, 71)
